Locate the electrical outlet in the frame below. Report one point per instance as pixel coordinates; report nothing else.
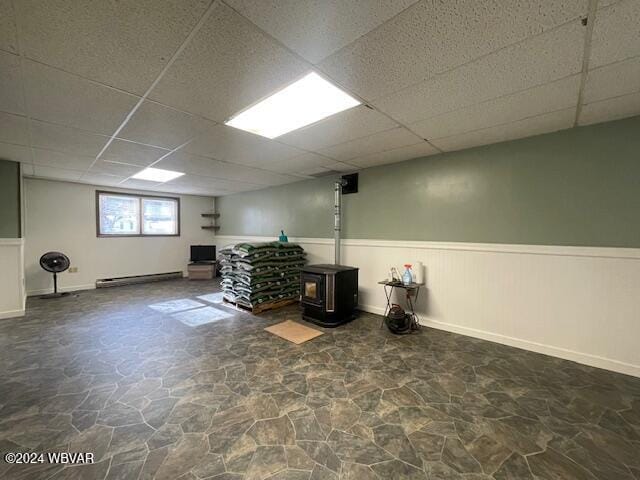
(73, 269)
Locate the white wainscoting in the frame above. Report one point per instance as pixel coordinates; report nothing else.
(577, 303)
(12, 292)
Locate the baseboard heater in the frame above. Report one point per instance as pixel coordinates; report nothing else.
(120, 281)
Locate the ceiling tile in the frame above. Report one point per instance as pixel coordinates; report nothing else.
(314, 172)
(181, 161)
(208, 192)
(200, 181)
(112, 168)
(610, 109)
(50, 158)
(14, 129)
(58, 97)
(446, 34)
(121, 44)
(8, 37)
(330, 168)
(66, 139)
(15, 153)
(510, 70)
(253, 175)
(606, 3)
(226, 67)
(616, 35)
(132, 153)
(196, 165)
(232, 145)
(316, 29)
(348, 125)
(510, 108)
(612, 80)
(138, 184)
(56, 173)
(396, 155)
(378, 142)
(300, 163)
(101, 179)
(546, 123)
(191, 189)
(165, 188)
(194, 181)
(155, 124)
(342, 167)
(11, 95)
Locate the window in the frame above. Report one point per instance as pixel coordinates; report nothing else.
(159, 216)
(122, 214)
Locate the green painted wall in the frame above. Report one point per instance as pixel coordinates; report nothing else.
(9, 199)
(575, 187)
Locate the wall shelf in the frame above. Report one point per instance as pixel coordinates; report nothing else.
(211, 216)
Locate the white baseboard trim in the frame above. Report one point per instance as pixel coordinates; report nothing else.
(72, 288)
(12, 314)
(583, 358)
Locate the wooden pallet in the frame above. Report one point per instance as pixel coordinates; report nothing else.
(263, 307)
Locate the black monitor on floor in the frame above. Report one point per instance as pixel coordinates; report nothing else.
(203, 253)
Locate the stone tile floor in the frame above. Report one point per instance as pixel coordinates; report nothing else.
(153, 398)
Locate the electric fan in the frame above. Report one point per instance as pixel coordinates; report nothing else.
(54, 262)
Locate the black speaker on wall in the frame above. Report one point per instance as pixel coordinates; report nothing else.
(350, 183)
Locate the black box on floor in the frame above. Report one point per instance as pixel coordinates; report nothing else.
(329, 294)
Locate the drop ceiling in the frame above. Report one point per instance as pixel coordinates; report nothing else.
(95, 91)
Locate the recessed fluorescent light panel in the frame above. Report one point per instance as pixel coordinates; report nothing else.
(157, 175)
(306, 101)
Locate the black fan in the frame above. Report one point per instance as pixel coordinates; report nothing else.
(54, 262)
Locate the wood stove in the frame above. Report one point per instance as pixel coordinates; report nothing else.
(329, 294)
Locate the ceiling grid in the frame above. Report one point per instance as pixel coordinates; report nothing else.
(590, 20)
(432, 77)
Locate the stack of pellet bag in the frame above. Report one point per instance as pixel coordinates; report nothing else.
(256, 273)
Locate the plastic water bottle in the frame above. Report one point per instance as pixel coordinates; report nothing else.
(407, 278)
